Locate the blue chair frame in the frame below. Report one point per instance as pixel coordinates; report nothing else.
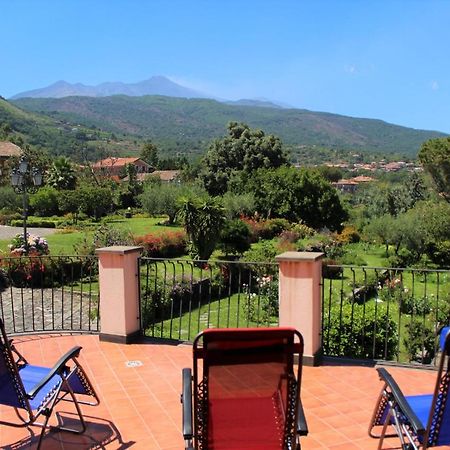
(34, 391)
(420, 421)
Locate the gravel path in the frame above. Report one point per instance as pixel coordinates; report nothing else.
(9, 232)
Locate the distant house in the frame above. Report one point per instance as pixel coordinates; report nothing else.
(7, 150)
(362, 179)
(114, 167)
(346, 186)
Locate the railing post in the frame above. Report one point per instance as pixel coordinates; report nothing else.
(300, 306)
(119, 293)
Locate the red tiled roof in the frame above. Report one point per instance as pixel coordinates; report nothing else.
(115, 162)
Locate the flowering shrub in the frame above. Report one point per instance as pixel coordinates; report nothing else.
(261, 304)
(265, 229)
(167, 245)
(37, 246)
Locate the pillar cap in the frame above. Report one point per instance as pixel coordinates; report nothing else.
(119, 249)
(299, 256)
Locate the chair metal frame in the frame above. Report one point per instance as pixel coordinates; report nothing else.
(194, 422)
(393, 407)
(63, 382)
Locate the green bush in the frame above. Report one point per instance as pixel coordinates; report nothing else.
(360, 331)
(440, 253)
(45, 202)
(9, 199)
(274, 227)
(261, 304)
(351, 258)
(303, 230)
(404, 258)
(35, 222)
(419, 342)
(234, 237)
(420, 306)
(6, 217)
(104, 236)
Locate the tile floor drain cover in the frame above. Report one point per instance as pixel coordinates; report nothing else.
(133, 363)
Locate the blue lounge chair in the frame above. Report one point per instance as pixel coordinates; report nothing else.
(34, 391)
(420, 421)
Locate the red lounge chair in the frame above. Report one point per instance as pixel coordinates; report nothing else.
(246, 390)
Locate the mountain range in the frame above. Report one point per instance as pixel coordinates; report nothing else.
(157, 85)
(190, 124)
(182, 120)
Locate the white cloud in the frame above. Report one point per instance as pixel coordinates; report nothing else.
(434, 85)
(350, 68)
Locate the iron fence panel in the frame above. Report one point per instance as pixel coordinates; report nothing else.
(40, 294)
(180, 298)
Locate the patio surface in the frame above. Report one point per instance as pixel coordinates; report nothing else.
(140, 406)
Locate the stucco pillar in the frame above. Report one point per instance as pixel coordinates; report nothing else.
(119, 293)
(300, 276)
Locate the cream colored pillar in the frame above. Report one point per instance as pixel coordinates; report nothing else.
(119, 293)
(300, 276)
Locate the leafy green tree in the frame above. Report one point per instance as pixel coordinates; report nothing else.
(297, 195)
(243, 150)
(203, 220)
(149, 154)
(416, 188)
(380, 229)
(238, 204)
(332, 174)
(95, 201)
(435, 158)
(162, 198)
(61, 174)
(9, 200)
(68, 202)
(130, 190)
(45, 201)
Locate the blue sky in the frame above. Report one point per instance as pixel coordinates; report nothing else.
(388, 59)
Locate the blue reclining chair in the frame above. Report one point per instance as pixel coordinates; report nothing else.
(420, 421)
(33, 391)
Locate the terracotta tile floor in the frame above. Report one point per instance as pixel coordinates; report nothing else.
(140, 406)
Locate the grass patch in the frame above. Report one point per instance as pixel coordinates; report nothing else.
(62, 242)
(228, 312)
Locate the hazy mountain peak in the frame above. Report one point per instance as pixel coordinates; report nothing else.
(155, 85)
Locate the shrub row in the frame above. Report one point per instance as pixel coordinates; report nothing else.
(167, 245)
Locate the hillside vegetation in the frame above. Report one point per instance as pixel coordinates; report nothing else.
(55, 136)
(190, 124)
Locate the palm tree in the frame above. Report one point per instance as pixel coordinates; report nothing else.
(61, 174)
(203, 220)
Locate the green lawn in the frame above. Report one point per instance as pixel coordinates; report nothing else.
(62, 242)
(228, 312)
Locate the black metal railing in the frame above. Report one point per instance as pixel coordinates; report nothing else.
(49, 293)
(179, 298)
(391, 314)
